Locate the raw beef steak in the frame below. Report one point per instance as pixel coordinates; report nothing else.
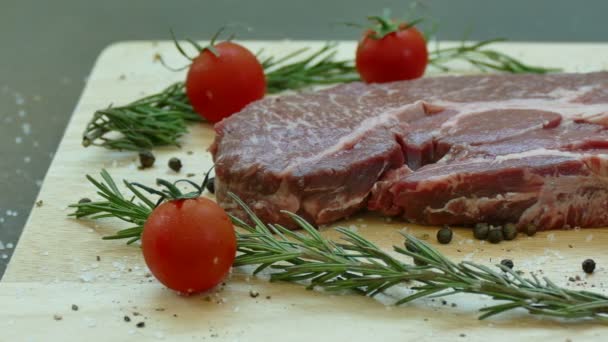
(444, 150)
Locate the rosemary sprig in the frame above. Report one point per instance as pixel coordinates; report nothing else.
(356, 264)
(478, 55)
(318, 68)
(155, 120)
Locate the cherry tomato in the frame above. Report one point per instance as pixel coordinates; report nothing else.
(220, 85)
(189, 245)
(398, 55)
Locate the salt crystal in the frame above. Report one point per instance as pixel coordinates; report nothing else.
(27, 159)
(131, 332)
(236, 309)
(90, 322)
(551, 237)
(589, 238)
(21, 113)
(18, 140)
(19, 100)
(9, 245)
(26, 128)
(87, 277)
(1, 219)
(4, 256)
(1, 246)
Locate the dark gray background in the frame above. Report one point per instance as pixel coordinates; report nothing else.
(48, 47)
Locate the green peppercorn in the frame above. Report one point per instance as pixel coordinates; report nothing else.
(530, 229)
(481, 231)
(211, 185)
(146, 159)
(495, 234)
(509, 231)
(175, 164)
(84, 200)
(589, 266)
(507, 263)
(444, 235)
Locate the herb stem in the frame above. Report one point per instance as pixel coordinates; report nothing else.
(354, 263)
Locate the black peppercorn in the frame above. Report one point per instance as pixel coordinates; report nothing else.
(507, 262)
(146, 159)
(444, 235)
(481, 231)
(589, 266)
(211, 185)
(509, 231)
(84, 200)
(410, 247)
(175, 164)
(140, 324)
(530, 229)
(495, 234)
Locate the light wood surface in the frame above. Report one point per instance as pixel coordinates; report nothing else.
(55, 264)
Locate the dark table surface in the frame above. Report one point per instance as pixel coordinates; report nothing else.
(48, 48)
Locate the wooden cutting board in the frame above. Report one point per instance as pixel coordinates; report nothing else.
(60, 261)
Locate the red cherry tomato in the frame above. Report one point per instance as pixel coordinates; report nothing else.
(399, 55)
(189, 245)
(220, 85)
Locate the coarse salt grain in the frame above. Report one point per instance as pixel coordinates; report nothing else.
(589, 238)
(1, 246)
(10, 245)
(21, 113)
(90, 322)
(18, 140)
(4, 256)
(87, 277)
(26, 128)
(27, 159)
(19, 100)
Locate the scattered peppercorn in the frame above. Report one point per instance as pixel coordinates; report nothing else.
(509, 231)
(84, 200)
(140, 324)
(98, 258)
(481, 231)
(146, 159)
(253, 294)
(211, 185)
(74, 307)
(507, 262)
(57, 317)
(410, 247)
(589, 266)
(530, 229)
(444, 235)
(175, 164)
(495, 234)
(39, 203)
(127, 319)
